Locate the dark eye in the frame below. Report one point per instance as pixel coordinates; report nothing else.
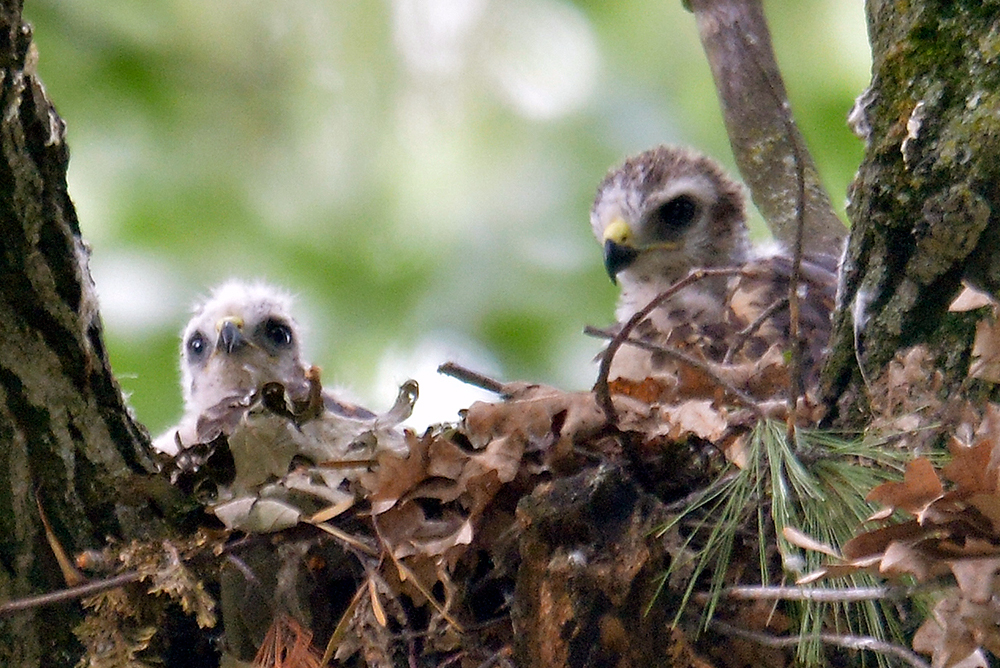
(196, 345)
(278, 333)
(670, 219)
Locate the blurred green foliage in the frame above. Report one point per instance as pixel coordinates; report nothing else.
(419, 172)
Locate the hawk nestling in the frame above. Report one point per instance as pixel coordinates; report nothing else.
(294, 448)
(670, 210)
(242, 338)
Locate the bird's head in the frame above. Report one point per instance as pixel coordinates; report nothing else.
(665, 212)
(240, 338)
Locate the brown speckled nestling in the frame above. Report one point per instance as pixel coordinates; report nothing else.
(669, 210)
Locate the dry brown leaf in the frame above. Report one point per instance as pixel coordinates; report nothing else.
(736, 450)
(919, 489)
(989, 506)
(970, 468)
(395, 475)
(904, 557)
(445, 460)
(905, 397)
(976, 577)
(946, 636)
(801, 539)
(697, 417)
(501, 456)
(648, 391)
(542, 414)
(691, 382)
(986, 351)
(875, 542)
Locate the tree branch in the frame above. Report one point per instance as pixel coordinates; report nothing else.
(767, 145)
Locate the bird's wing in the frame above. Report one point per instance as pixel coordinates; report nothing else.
(745, 328)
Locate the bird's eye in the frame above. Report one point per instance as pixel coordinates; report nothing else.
(278, 333)
(196, 345)
(669, 220)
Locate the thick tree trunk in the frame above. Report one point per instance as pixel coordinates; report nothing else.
(67, 439)
(925, 206)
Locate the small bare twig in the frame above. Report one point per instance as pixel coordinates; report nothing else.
(797, 388)
(684, 358)
(744, 334)
(601, 388)
(405, 573)
(776, 90)
(803, 594)
(471, 377)
(69, 594)
(849, 642)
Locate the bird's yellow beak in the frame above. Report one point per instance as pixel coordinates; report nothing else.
(230, 334)
(619, 248)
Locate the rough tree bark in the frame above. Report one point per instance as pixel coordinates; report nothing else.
(68, 445)
(925, 206)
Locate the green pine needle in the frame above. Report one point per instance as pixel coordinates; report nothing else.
(816, 485)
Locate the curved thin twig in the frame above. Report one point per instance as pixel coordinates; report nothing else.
(69, 594)
(601, 388)
(744, 334)
(684, 358)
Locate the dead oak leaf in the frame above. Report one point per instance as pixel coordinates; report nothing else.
(970, 468)
(989, 506)
(395, 475)
(919, 489)
(445, 460)
(695, 417)
(648, 390)
(976, 578)
(875, 542)
(947, 637)
(906, 557)
(540, 417)
(407, 531)
(986, 351)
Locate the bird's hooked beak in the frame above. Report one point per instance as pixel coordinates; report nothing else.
(619, 251)
(230, 335)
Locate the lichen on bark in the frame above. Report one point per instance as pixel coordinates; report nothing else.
(924, 207)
